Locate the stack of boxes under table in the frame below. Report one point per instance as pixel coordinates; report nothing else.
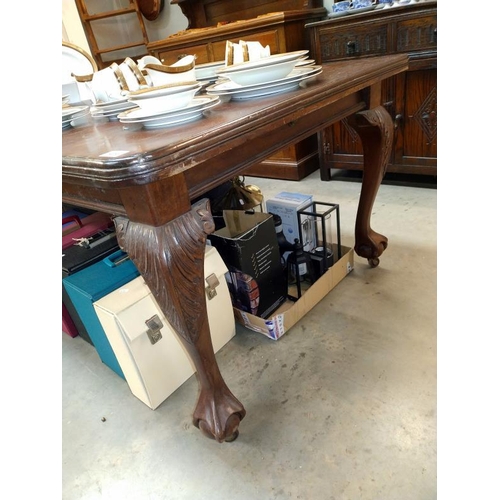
(116, 312)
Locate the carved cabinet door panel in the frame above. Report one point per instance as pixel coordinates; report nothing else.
(340, 145)
(417, 132)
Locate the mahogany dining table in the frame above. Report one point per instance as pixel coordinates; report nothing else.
(148, 179)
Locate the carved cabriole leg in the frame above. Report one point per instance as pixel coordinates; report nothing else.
(376, 130)
(170, 258)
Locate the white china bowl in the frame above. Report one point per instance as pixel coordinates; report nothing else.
(141, 63)
(130, 76)
(260, 74)
(207, 70)
(105, 85)
(181, 71)
(168, 102)
(72, 90)
(159, 78)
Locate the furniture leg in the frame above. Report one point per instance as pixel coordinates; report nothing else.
(170, 258)
(376, 130)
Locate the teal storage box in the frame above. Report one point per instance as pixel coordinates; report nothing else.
(93, 283)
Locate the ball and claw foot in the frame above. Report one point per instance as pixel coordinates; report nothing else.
(228, 434)
(373, 250)
(230, 439)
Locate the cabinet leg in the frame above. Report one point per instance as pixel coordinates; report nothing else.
(376, 131)
(325, 172)
(171, 258)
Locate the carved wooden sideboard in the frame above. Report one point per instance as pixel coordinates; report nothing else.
(283, 32)
(203, 13)
(410, 97)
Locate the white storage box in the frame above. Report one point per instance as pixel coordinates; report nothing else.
(286, 205)
(155, 368)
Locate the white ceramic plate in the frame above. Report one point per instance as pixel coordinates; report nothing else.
(229, 87)
(72, 110)
(261, 74)
(208, 79)
(161, 91)
(110, 103)
(305, 62)
(265, 61)
(75, 60)
(286, 85)
(207, 70)
(254, 94)
(112, 106)
(200, 103)
(124, 118)
(98, 113)
(68, 119)
(169, 102)
(169, 122)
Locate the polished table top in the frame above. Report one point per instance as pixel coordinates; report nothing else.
(239, 134)
(148, 178)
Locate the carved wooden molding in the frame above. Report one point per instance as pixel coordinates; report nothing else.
(171, 258)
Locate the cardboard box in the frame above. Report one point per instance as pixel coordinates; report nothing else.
(286, 205)
(154, 361)
(291, 312)
(248, 246)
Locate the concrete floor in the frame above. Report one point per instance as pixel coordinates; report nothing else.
(343, 407)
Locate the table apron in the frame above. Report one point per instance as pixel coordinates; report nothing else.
(205, 170)
(254, 147)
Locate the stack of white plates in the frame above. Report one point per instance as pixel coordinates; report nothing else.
(262, 70)
(304, 61)
(275, 74)
(238, 92)
(150, 119)
(110, 110)
(71, 113)
(207, 72)
(166, 97)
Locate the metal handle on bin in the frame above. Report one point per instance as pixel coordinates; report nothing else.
(212, 283)
(116, 258)
(72, 218)
(154, 325)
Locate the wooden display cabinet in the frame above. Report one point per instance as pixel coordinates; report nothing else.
(114, 29)
(283, 32)
(410, 98)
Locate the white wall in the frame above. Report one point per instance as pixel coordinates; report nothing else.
(72, 30)
(171, 20)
